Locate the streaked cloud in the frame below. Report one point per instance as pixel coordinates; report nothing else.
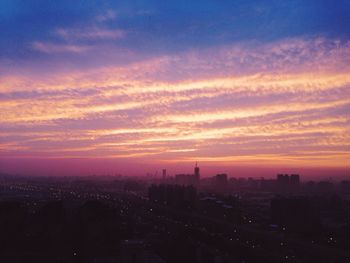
(107, 15)
(93, 32)
(284, 102)
(48, 47)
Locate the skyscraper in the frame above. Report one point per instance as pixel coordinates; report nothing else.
(283, 182)
(196, 172)
(294, 181)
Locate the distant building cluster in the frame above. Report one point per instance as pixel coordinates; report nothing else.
(288, 182)
(172, 218)
(221, 183)
(189, 179)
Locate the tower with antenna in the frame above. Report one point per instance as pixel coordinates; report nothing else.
(196, 172)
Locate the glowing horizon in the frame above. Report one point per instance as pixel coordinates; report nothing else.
(102, 86)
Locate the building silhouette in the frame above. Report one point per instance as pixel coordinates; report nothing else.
(295, 213)
(196, 172)
(189, 179)
(287, 182)
(294, 181)
(220, 182)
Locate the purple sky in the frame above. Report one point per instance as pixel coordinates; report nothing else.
(246, 88)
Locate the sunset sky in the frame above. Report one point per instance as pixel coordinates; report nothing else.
(136, 86)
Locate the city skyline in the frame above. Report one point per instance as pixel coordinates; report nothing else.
(246, 87)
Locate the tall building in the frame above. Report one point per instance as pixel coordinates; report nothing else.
(188, 179)
(288, 183)
(164, 174)
(282, 182)
(196, 172)
(294, 181)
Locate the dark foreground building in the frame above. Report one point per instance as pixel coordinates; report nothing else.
(295, 213)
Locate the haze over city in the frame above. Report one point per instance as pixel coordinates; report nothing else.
(247, 87)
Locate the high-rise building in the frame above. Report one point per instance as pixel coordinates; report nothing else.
(164, 174)
(288, 183)
(188, 179)
(282, 181)
(294, 181)
(196, 172)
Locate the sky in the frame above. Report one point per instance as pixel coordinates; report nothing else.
(131, 87)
